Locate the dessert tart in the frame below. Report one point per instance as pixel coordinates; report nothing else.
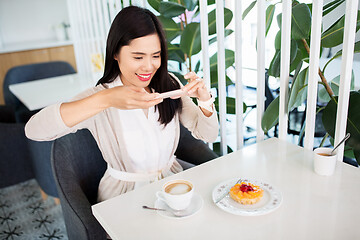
(246, 193)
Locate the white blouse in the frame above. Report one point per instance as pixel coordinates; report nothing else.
(136, 148)
(149, 144)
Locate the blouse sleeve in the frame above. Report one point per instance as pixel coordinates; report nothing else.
(191, 116)
(48, 125)
(201, 127)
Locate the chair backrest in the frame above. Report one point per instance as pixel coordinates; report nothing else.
(78, 167)
(15, 164)
(32, 72)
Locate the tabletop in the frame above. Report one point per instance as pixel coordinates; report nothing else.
(38, 94)
(313, 206)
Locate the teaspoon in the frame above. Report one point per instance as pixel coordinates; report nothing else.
(344, 139)
(179, 213)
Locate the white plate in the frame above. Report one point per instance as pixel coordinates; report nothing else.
(196, 204)
(270, 201)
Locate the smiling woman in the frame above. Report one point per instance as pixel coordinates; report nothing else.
(140, 65)
(136, 130)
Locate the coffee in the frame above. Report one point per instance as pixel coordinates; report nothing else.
(178, 188)
(325, 154)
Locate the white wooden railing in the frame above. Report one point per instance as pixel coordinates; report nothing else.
(91, 19)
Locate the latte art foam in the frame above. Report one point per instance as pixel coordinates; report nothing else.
(177, 188)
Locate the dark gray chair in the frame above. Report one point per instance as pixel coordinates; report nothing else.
(39, 151)
(31, 72)
(15, 158)
(78, 167)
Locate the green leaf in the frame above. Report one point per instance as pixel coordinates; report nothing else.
(297, 60)
(334, 84)
(210, 2)
(190, 4)
(228, 15)
(229, 60)
(230, 105)
(339, 54)
(155, 4)
(301, 55)
(334, 35)
(271, 115)
(298, 92)
(172, 29)
(269, 17)
(171, 9)
(300, 22)
(227, 33)
(175, 53)
(278, 19)
(293, 50)
(214, 80)
(190, 42)
(248, 9)
(274, 68)
(331, 6)
(197, 67)
(172, 47)
(353, 121)
(277, 41)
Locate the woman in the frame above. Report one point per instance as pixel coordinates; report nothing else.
(136, 131)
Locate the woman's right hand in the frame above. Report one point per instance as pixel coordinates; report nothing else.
(121, 97)
(130, 97)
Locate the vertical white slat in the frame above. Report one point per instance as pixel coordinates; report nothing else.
(125, 3)
(98, 37)
(117, 6)
(89, 25)
(112, 9)
(284, 68)
(103, 34)
(144, 4)
(313, 73)
(221, 73)
(83, 36)
(96, 24)
(238, 83)
(204, 30)
(107, 19)
(346, 71)
(75, 35)
(260, 89)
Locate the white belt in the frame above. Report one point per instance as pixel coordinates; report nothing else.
(139, 177)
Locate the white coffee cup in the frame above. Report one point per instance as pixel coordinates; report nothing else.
(324, 162)
(177, 194)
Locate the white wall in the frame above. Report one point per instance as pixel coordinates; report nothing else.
(30, 20)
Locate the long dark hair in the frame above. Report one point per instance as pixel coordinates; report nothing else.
(134, 22)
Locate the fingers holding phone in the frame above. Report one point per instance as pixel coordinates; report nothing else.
(196, 87)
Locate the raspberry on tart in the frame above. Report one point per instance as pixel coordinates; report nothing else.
(246, 193)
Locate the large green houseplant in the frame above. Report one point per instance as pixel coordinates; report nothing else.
(180, 19)
(299, 57)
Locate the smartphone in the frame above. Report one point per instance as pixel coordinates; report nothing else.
(173, 93)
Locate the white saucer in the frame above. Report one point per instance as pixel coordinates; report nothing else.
(196, 204)
(271, 200)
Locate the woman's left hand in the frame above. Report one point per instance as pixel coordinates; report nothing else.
(196, 87)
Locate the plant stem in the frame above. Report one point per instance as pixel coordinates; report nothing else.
(322, 77)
